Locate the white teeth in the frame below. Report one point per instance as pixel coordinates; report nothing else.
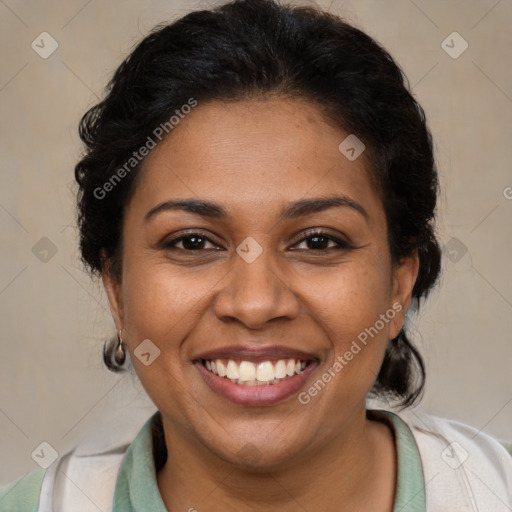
(232, 370)
(280, 370)
(248, 373)
(265, 371)
(221, 369)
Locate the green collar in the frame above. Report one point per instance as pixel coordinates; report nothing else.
(410, 491)
(137, 490)
(136, 486)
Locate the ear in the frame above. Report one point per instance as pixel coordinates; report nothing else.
(113, 288)
(404, 277)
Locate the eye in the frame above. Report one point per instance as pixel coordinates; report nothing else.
(190, 242)
(319, 241)
(315, 241)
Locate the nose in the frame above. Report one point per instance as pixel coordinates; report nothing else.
(255, 293)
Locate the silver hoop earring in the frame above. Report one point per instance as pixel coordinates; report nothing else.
(120, 353)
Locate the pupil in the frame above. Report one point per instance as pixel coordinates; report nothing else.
(314, 241)
(188, 244)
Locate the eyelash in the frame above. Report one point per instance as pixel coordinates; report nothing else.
(341, 244)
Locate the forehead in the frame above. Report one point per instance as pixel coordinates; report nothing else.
(251, 155)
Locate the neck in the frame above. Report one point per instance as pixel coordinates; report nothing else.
(356, 467)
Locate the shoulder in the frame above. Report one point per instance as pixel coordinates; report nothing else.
(22, 495)
(82, 475)
(461, 441)
(72, 482)
(462, 466)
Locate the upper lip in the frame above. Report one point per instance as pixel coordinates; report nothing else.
(256, 354)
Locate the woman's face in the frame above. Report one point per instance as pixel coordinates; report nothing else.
(241, 279)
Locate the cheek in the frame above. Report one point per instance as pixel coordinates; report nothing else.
(162, 302)
(162, 305)
(354, 311)
(354, 298)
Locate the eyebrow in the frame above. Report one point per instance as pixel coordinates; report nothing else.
(294, 210)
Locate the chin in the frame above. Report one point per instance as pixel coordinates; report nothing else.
(257, 455)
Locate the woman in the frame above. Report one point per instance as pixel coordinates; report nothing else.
(258, 195)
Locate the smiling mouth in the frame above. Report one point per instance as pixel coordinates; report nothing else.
(248, 373)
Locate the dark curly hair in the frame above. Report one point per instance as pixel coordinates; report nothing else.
(260, 48)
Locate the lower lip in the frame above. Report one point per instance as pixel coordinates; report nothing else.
(255, 395)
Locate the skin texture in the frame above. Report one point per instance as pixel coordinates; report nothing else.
(254, 158)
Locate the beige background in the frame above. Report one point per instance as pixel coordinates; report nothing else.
(53, 386)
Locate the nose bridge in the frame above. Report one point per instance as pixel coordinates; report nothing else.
(254, 291)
